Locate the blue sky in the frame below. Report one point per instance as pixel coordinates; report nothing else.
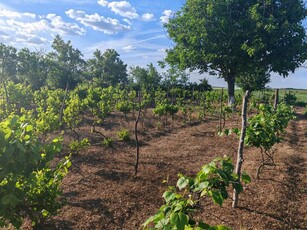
(133, 28)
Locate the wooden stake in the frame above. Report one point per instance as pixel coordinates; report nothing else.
(240, 158)
(136, 136)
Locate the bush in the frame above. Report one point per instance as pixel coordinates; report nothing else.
(290, 99)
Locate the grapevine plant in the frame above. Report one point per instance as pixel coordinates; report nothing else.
(18, 96)
(181, 202)
(265, 130)
(164, 107)
(29, 186)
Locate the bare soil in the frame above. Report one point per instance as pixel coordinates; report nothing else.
(102, 192)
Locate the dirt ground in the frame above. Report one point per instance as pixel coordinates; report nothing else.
(102, 192)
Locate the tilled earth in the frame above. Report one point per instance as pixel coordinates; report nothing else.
(102, 192)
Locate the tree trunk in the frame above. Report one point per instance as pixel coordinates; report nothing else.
(240, 158)
(231, 92)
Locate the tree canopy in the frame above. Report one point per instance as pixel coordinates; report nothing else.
(66, 64)
(108, 68)
(147, 78)
(32, 68)
(8, 63)
(232, 38)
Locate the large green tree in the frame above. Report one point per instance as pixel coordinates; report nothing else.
(8, 63)
(32, 68)
(174, 77)
(107, 68)
(231, 38)
(8, 68)
(66, 64)
(147, 78)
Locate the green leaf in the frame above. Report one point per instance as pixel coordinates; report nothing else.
(217, 197)
(179, 220)
(168, 196)
(227, 132)
(202, 186)
(221, 227)
(209, 168)
(224, 193)
(45, 213)
(246, 178)
(179, 206)
(163, 224)
(236, 131)
(203, 225)
(29, 128)
(222, 175)
(182, 183)
(238, 187)
(158, 216)
(204, 192)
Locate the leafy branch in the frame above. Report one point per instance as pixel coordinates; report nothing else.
(181, 202)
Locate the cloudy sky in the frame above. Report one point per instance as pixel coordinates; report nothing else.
(133, 28)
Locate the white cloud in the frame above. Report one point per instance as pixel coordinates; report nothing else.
(22, 28)
(13, 14)
(97, 22)
(148, 17)
(37, 40)
(129, 48)
(124, 9)
(166, 16)
(147, 47)
(9, 14)
(103, 2)
(63, 28)
(33, 16)
(26, 28)
(75, 2)
(127, 21)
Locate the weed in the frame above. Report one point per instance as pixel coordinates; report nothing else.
(124, 135)
(108, 142)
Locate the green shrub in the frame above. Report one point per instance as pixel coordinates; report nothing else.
(290, 99)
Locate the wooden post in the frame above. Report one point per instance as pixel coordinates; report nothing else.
(276, 98)
(136, 136)
(63, 103)
(240, 158)
(221, 109)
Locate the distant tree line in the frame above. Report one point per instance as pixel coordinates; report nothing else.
(65, 67)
